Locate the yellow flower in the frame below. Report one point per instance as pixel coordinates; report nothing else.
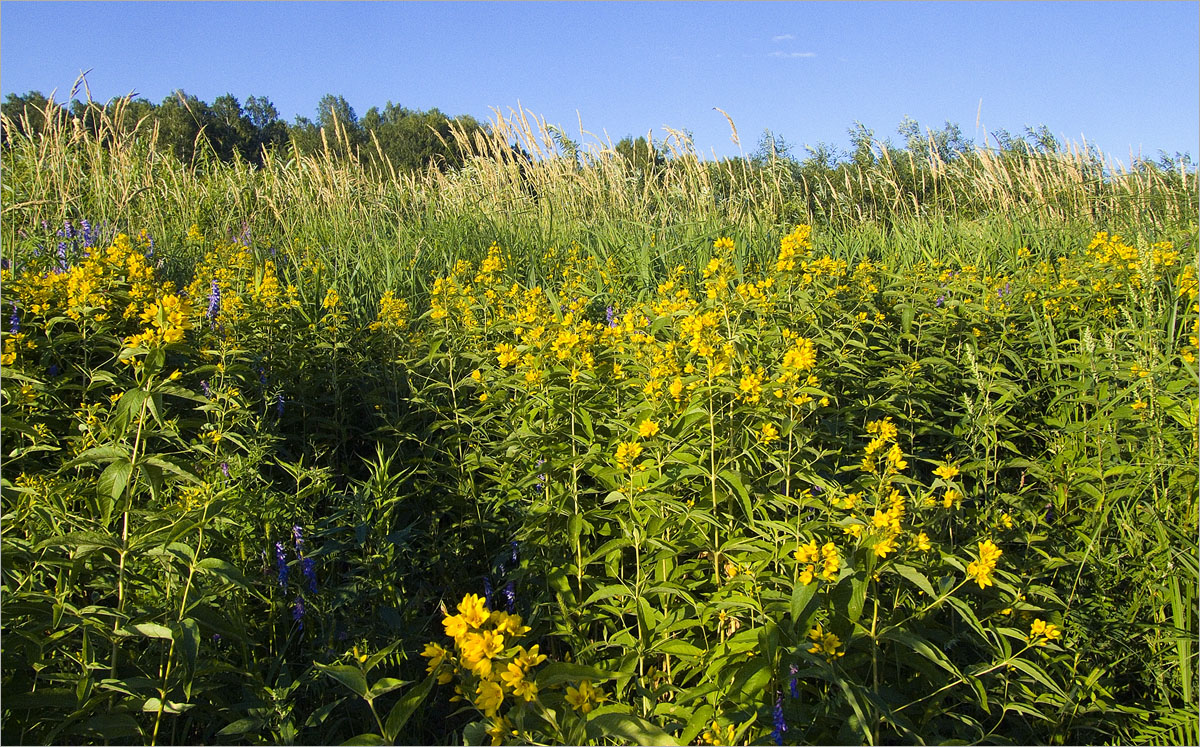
(981, 570)
(825, 643)
(885, 546)
(922, 543)
(509, 624)
(529, 659)
(768, 433)
(456, 627)
(946, 471)
(627, 452)
(1042, 632)
(647, 429)
(489, 697)
(483, 645)
(474, 610)
(499, 728)
(715, 735)
(585, 697)
(724, 243)
(514, 678)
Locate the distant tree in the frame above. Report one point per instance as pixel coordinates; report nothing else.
(230, 131)
(643, 157)
(270, 131)
(862, 145)
(26, 113)
(772, 147)
(335, 115)
(181, 118)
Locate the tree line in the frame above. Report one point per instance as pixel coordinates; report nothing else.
(409, 139)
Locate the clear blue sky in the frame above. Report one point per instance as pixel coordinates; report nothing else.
(1122, 74)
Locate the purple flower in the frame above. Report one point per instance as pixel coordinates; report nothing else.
(279, 404)
(214, 301)
(89, 239)
(53, 369)
(509, 592)
(487, 591)
(298, 612)
(225, 469)
(514, 552)
(67, 231)
(14, 321)
(307, 567)
(940, 300)
(795, 688)
(780, 723)
(281, 563)
(216, 638)
(62, 256)
(610, 315)
(298, 538)
(204, 387)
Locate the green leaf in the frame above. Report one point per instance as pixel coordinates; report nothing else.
(920, 646)
(223, 570)
(241, 726)
(1038, 674)
(918, 578)
(351, 677)
(627, 728)
(112, 483)
(678, 647)
(365, 739)
(154, 630)
(97, 454)
(152, 705)
(187, 640)
(802, 605)
(170, 465)
(385, 685)
(406, 706)
(560, 672)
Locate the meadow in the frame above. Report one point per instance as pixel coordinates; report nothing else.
(559, 448)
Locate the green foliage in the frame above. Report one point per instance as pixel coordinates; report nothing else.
(258, 455)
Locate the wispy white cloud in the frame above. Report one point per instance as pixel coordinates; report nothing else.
(782, 38)
(793, 55)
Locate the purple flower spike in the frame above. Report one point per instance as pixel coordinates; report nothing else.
(214, 301)
(309, 570)
(509, 592)
(281, 563)
(298, 612)
(780, 723)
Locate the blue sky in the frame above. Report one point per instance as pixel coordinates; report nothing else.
(1122, 74)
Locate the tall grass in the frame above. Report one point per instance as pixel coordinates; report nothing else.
(529, 188)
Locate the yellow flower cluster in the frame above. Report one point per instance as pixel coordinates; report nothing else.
(824, 643)
(808, 555)
(884, 432)
(981, 570)
(482, 649)
(1042, 632)
(719, 735)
